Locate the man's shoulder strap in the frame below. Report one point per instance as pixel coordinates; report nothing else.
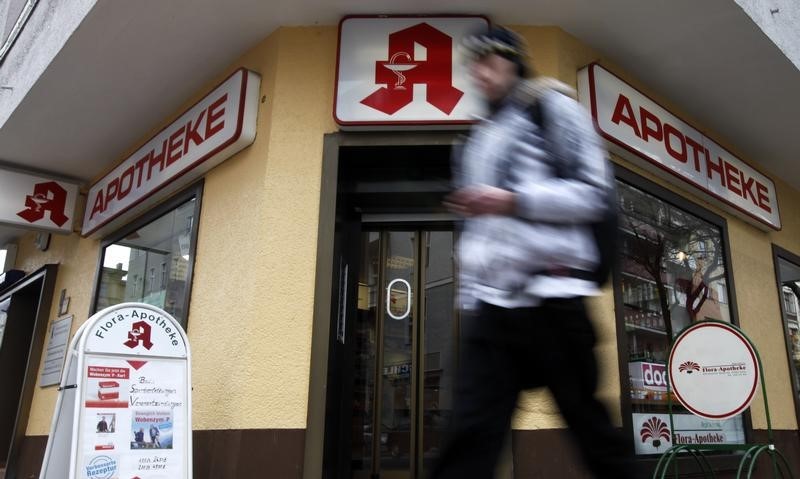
(535, 96)
(528, 91)
(536, 115)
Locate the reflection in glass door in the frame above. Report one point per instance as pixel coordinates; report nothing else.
(405, 352)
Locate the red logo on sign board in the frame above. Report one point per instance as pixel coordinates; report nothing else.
(688, 367)
(48, 196)
(655, 429)
(139, 333)
(402, 71)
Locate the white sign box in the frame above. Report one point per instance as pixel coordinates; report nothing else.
(56, 351)
(652, 434)
(714, 370)
(131, 400)
(36, 201)
(214, 129)
(395, 71)
(675, 149)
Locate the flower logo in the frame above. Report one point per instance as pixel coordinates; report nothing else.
(689, 367)
(655, 429)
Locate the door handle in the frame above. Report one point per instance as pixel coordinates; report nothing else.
(341, 315)
(389, 299)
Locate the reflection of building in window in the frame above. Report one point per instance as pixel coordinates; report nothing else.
(179, 268)
(112, 286)
(673, 273)
(790, 303)
(156, 259)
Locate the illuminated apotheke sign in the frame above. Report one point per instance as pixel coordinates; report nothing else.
(675, 149)
(36, 201)
(214, 129)
(405, 71)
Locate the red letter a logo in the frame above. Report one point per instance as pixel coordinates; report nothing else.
(401, 72)
(49, 196)
(139, 333)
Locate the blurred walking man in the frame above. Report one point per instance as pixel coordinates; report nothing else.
(531, 181)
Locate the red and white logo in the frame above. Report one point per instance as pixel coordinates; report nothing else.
(48, 197)
(402, 71)
(689, 367)
(654, 376)
(654, 429)
(405, 71)
(139, 334)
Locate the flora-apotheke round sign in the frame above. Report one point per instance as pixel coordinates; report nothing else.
(714, 370)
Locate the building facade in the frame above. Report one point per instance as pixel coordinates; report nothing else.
(314, 272)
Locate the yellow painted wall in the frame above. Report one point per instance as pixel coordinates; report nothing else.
(253, 287)
(252, 302)
(250, 318)
(77, 259)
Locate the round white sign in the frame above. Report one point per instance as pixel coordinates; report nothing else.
(713, 370)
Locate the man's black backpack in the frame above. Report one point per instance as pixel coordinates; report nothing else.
(605, 231)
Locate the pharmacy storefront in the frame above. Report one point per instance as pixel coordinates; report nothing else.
(289, 216)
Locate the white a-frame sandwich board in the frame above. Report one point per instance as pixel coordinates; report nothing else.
(124, 408)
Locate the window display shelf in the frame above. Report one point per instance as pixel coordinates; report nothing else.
(654, 403)
(634, 327)
(653, 399)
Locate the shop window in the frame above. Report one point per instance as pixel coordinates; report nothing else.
(151, 260)
(787, 266)
(673, 272)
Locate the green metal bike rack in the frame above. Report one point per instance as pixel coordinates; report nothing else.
(750, 452)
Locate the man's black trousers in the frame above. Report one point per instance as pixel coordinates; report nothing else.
(505, 351)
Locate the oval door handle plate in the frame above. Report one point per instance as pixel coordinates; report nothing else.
(389, 299)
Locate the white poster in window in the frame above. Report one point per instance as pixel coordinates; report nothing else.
(714, 370)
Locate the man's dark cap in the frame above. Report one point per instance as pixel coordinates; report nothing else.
(499, 41)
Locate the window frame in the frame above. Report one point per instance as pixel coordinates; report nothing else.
(725, 461)
(193, 191)
(786, 255)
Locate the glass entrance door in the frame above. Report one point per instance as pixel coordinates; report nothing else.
(405, 352)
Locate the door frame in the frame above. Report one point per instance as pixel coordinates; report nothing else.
(786, 255)
(45, 280)
(327, 270)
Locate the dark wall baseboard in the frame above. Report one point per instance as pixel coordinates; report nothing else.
(550, 453)
(249, 453)
(259, 453)
(29, 462)
(218, 454)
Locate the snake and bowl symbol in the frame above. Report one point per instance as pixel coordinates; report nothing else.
(398, 63)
